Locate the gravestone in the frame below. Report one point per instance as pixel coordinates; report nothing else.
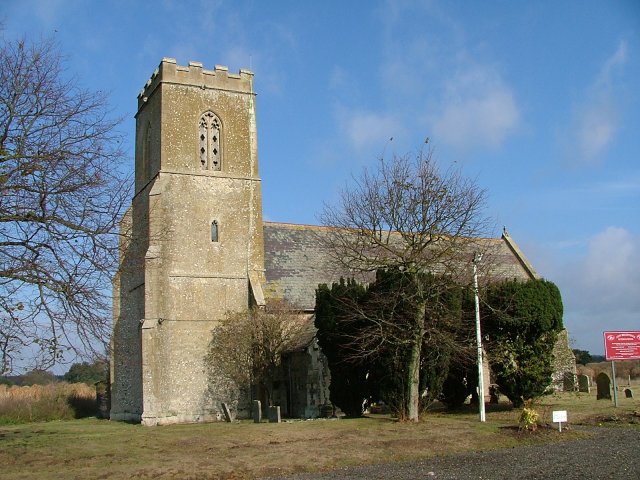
(257, 411)
(628, 393)
(274, 414)
(584, 384)
(603, 383)
(227, 413)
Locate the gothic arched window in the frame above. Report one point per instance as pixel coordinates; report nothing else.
(210, 129)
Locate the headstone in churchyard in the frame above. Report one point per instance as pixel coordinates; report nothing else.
(227, 413)
(603, 384)
(584, 384)
(274, 414)
(628, 393)
(257, 411)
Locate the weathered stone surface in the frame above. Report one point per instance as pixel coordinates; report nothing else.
(274, 414)
(175, 283)
(228, 417)
(564, 364)
(628, 393)
(256, 411)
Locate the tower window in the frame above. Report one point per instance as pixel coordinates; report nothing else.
(209, 131)
(214, 231)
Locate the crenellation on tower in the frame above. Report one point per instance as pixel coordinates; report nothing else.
(195, 74)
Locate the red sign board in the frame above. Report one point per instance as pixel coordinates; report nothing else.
(622, 345)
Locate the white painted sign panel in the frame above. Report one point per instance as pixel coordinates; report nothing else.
(559, 416)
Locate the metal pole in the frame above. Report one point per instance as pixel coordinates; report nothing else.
(477, 258)
(615, 384)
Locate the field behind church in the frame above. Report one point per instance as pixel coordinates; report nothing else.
(92, 448)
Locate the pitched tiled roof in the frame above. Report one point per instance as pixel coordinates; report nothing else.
(296, 262)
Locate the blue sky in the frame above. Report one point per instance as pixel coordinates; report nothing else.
(538, 101)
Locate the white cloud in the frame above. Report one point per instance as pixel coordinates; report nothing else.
(596, 120)
(601, 289)
(617, 60)
(365, 129)
(596, 128)
(479, 109)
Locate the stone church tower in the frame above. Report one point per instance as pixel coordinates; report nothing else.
(193, 247)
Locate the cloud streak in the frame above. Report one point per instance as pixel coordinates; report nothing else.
(479, 109)
(596, 120)
(367, 130)
(600, 288)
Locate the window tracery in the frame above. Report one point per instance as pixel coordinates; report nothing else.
(210, 129)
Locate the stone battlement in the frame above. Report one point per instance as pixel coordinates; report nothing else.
(196, 76)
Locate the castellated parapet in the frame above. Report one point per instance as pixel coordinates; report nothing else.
(195, 75)
(194, 248)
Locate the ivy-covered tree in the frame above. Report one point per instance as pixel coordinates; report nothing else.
(348, 388)
(522, 321)
(368, 335)
(408, 216)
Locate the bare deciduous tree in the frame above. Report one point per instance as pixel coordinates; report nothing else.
(247, 346)
(408, 216)
(62, 192)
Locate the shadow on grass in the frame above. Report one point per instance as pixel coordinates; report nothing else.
(82, 406)
(468, 409)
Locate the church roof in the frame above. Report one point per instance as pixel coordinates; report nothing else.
(296, 262)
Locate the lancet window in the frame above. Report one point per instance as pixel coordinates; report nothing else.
(214, 231)
(210, 129)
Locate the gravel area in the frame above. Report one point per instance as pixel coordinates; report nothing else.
(610, 453)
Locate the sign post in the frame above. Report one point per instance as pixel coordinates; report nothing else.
(621, 345)
(615, 384)
(478, 258)
(559, 416)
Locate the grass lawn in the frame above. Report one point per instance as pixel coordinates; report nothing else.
(96, 449)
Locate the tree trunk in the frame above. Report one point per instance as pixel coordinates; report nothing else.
(413, 381)
(413, 373)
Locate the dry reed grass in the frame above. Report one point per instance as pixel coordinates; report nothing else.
(55, 401)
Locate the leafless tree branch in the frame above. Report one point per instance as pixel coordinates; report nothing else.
(62, 192)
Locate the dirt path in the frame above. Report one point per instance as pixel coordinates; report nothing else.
(610, 453)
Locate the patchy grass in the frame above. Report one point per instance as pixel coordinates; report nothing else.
(91, 448)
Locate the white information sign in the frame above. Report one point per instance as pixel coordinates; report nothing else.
(560, 416)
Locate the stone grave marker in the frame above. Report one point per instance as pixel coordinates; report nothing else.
(274, 414)
(628, 393)
(603, 384)
(584, 384)
(228, 417)
(257, 411)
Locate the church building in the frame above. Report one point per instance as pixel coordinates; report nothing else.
(194, 247)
